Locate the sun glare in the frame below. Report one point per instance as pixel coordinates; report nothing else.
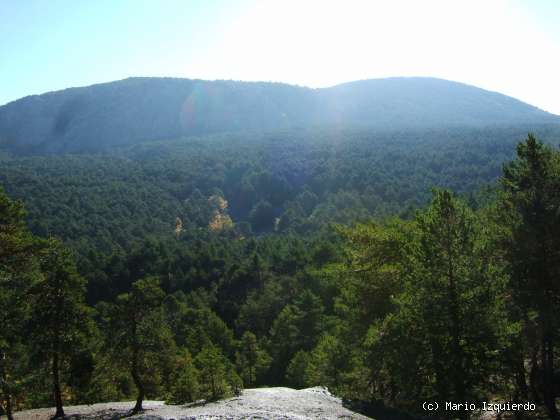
(493, 45)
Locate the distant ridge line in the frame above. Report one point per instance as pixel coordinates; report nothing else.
(138, 109)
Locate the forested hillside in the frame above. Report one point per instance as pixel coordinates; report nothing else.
(102, 117)
(395, 240)
(292, 180)
(192, 268)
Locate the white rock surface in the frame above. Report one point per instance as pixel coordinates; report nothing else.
(258, 403)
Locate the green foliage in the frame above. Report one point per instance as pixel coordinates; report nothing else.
(100, 203)
(262, 216)
(251, 360)
(215, 380)
(186, 387)
(422, 309)
(453, 301)
(195, 325)
(327, 363)
(139, 337)
(297, 327)
(529, 205)
(453, 298)
(18, 269)
(60, 321)
(372, 275)
(296, 371)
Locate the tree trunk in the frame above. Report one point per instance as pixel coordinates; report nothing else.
(6, 390)
(457, 358)
(139, 400)
(549, 396)
(9, 409)
(214, 393)
(56, 350)
(251, 380)
(521, 394)
(521, 383)
(56, 387)
(458, 355)
(533, 376)
(137, 381)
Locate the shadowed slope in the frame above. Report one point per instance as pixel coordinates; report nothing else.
(130, 111)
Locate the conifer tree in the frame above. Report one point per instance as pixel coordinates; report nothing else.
(185, 387)
(296, 376)
(327, 363)
(444, 338)
(18, 269)
(251, 359)
(139, 336)
(212, 366)
(530, 211)
(60, 320)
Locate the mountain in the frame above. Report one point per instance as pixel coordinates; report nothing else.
(130, 111)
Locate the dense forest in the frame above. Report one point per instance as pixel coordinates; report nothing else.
(189, 269)
(293, 180)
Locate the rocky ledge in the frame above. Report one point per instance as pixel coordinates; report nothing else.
(259, 403)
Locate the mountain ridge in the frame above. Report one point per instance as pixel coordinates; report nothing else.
(338, 85)
(137, 109)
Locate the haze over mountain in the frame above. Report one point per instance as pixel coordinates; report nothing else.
(130, 111)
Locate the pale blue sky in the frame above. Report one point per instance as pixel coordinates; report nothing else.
(508, 46)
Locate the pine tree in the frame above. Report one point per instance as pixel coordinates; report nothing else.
(461, 295)
(18, 269)
(212, 366)
(530, 203)
(139, 336)
(296, 371)
(60, 320)
(327, 363)
(368, 282)
(444, 338)
(251, 359)
(185, 387)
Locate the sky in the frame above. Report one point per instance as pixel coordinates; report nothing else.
(512, 47)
